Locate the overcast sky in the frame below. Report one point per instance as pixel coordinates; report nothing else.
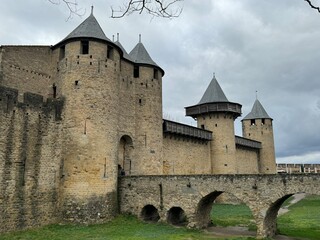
(269, 46)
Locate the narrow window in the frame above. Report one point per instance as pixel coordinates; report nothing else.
(76, 83)
(54, 88)
(155, 73)
(62, 52)
(110, 52)
(202, 126)
(263, 121)
(136, 71)
(84, 47)
(253, 122)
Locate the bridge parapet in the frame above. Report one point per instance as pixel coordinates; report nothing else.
(195, 195)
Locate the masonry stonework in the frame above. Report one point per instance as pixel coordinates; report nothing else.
(195, 195)
(76, 115)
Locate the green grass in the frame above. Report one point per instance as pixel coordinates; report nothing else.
(303, 219)
(121, 228)
(232, 215)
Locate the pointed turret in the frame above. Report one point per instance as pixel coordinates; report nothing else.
(140, 55)
(89, 29)
(257, 125)
(214, 100)
(213, 93)
(257, 112)
(216, 113)
(125, 54)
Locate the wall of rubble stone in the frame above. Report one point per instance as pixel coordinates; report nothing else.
(30, 155)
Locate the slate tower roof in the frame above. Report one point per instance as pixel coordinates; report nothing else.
(125, 54)
(140, 55)
(89, 28)
(213, 93)
(214, 100)
(257, 112)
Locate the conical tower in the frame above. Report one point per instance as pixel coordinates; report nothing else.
(87, 78)
(216, 113)
(147, 76)
(257, 125)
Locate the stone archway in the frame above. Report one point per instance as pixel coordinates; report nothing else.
(125, 153)
(176, 216)
(270, 220)
(150, 213)
(203, 218)
(221, 208)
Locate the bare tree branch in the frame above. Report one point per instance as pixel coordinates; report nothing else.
(156, 8)
(72, 5)
(313, 6)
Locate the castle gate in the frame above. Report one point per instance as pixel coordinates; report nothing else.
(188, 198)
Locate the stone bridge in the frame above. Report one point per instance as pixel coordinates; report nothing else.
(189, 198)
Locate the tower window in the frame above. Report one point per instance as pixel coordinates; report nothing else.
(253, 122)
(62, 52)
(262, 121)
(202, 126)
(84, 47)
(54, 88)
(110, 52)
(155, 73)
(136, 71)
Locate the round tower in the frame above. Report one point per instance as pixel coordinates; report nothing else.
(215, 113)
(257, 125)
(87, 76)
(148, 117)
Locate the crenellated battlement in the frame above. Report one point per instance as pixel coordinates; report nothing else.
(9, 102)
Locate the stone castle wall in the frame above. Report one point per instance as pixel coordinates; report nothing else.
(182, 155)
(30, 157)
(27, 68)
(247, 160)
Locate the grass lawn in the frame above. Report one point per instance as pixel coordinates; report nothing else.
(232, 215)
(303, 219)
(121, 228)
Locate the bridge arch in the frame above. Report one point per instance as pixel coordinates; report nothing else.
(203, 218)
(150, 213)
(270, 220)
(176, 216)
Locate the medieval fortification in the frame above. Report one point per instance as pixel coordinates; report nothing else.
(76, 114)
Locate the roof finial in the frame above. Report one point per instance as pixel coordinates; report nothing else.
(139, 38)
(256, 95)
(92, 10)
(118, 37)
(113, 38)
(214, 75)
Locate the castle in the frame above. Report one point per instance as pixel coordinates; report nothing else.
(75, 114)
